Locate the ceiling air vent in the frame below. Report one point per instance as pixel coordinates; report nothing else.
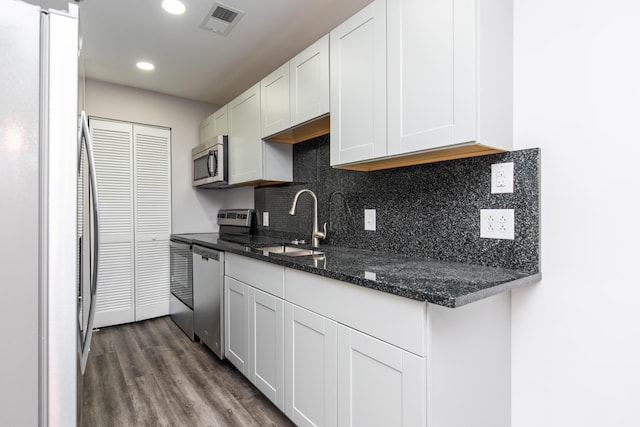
(221, 19)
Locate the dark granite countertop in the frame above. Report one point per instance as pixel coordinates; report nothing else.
(447, 284)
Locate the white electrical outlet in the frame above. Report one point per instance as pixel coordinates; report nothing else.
(265, 219)
(370, 219)
(502, 178)
(497, 224)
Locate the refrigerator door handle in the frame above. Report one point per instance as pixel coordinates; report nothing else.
(84, 137)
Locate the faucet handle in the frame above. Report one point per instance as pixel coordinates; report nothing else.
(322, 234)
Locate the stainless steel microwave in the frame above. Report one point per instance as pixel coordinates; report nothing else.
(210, 164)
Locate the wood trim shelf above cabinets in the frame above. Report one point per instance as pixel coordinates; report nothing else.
(295, 97)
(304, 132)
(432, 156)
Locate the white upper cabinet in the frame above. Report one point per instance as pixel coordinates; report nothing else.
(245, 157)
(296, 93)
(274, 92)
(358, 87)
(449, 73)
(252, 160)
(309, 79)
(206, 130)
(214, 125)
(220, 121)
(448, 84)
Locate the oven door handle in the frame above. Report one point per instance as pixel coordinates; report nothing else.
(180, 245)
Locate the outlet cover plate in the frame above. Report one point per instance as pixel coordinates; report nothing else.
(497, 224)
(502, 178)
(370, 219)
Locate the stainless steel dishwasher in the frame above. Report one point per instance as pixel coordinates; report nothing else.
(208, 313)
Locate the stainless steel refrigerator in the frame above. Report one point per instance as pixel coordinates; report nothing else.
(45, 331)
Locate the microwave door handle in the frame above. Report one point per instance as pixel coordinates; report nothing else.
(215, 160)
(209, 163)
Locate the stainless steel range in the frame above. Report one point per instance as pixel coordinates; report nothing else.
(197, 272)
(181, 284)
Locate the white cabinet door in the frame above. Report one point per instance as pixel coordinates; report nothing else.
(214, 125)
(113, 143)
(236, 307)
(429, 53)
(152, 206)
(310, 368)
(245, 143)
(309, 75)
(447, 89)
(250, 158)
(220, 121)
(379, 384)
(206, 130)
(358, 86)
(274, 98)
(266, 342)
(450, 74)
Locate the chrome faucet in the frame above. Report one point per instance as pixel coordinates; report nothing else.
(316, 235)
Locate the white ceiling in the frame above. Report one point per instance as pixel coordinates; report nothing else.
(191, 62)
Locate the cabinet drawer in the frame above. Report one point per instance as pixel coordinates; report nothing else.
(390, 318)
(259, 274)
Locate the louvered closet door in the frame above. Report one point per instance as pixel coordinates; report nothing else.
(114, 167)
(152, 196)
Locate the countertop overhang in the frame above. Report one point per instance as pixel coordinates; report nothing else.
(443, 283)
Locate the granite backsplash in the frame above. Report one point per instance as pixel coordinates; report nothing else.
(430, 210)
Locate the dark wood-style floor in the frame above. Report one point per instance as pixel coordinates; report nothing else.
(150, 374)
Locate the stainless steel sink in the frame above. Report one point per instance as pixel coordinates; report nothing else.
(290, 250)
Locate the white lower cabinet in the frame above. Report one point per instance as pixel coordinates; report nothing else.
(266, 344)
(236, 308)
(254, 323)
(379, 384)
(310, 368)
(330, 353)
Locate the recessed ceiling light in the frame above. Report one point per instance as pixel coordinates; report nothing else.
(147, 66)
(175, 7)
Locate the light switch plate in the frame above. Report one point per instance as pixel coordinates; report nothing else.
(502, 178)
(370, 219)
(497, 224)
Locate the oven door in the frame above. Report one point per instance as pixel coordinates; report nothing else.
(181, 268)
(181, 286)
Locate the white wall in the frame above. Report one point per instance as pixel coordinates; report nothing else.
(576, 334)
(193, 211)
